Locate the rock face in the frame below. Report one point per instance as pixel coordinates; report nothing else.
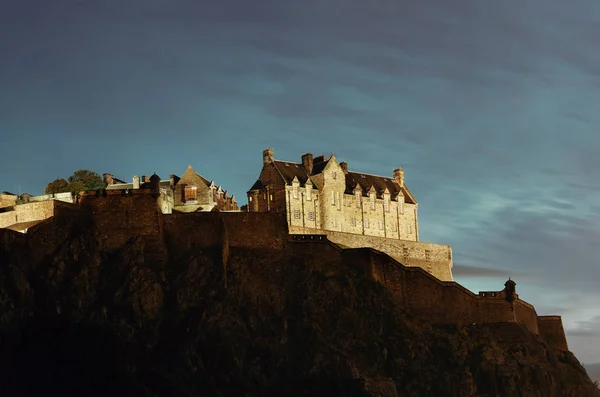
(170, 317)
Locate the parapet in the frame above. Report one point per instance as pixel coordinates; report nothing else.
(552, 331)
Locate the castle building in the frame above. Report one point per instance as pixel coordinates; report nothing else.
(190, 193)
(354, 209)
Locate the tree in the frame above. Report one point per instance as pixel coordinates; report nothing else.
(85, 180)
(57, 186)
(80, 180)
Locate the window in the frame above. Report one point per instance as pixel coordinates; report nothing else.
(401, 205)
(308, 192)
(353, 221)
(372, 198)
(357, 197)
(250, 198)
(295, 191)
(334, 175)
(271, 197)
(311, 216)
(386, 202)
(394, 227)
(339, 203)
(405, 252)
(366, 223)
(380, 224)
(408, 229)
(191, 193)
(333, 198)
(333, 222)
(297, 214)
(427, 255)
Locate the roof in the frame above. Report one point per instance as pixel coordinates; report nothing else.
(289, 170)
(191, 177)
(379, 183)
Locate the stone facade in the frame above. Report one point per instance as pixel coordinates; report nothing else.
(320, 195)
(190, 193)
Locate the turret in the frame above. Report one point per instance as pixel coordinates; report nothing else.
(136, 181)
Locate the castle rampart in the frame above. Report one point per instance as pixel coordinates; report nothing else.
(121, 216)
(434, 258)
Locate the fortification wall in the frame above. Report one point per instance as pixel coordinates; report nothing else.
(433, 258)
(8, 200)
(442, 302)
(29, 212)
(119, 215)
(243, 229)
(552, 331)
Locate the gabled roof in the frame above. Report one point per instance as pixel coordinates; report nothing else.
(191, 177)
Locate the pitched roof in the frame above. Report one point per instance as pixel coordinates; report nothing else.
(191, 177)
(379, 183)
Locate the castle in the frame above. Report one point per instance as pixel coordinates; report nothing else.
(319, 195)
(271, 227)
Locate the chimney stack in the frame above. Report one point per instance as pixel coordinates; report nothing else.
(307, 162)
(268, 155)
(145, 179)
(136, 182)
(399, 176)
(108, 179)
(344, 166)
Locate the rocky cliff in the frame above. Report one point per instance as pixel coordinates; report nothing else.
(78, 318)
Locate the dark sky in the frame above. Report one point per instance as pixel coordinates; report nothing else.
(491, 107)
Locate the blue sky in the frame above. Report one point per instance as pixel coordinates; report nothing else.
(492, 108)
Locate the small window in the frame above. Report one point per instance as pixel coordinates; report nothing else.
(333, 222)
(334, 175)
(386, 203)
(287, 165)
(295, 191)
(405, 252)
(250, 198)
(271, 197)
(311, 216)
(308, 192)
(332, 198)
(357, 197)
(372, 198)
(380, 224)
(297, 214)
(337, 198)
(353, 221)
(427, 255)
(401, 205)
(408, 229)
(191, 193)
(366, 223)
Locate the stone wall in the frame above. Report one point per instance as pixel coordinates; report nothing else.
(434, 258)
(552, 331)
(25, 214)
(440, 302)
(8, 200)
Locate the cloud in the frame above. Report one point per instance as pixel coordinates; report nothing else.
(460, 270)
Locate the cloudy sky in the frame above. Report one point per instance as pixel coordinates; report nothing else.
(491, 107)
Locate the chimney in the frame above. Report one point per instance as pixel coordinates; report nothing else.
(268, 156)
(399, 176)
(307, 162)
(145, 179)
(136, 182)
(344, 166)
(108, 179)
(172, 179)
(320, 159)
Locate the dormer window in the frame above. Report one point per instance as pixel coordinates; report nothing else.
(357, 198)
(295, 191)
(372, 199)
(308, 192)
(190, 193)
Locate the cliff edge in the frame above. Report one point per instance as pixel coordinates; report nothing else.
(179, 315)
